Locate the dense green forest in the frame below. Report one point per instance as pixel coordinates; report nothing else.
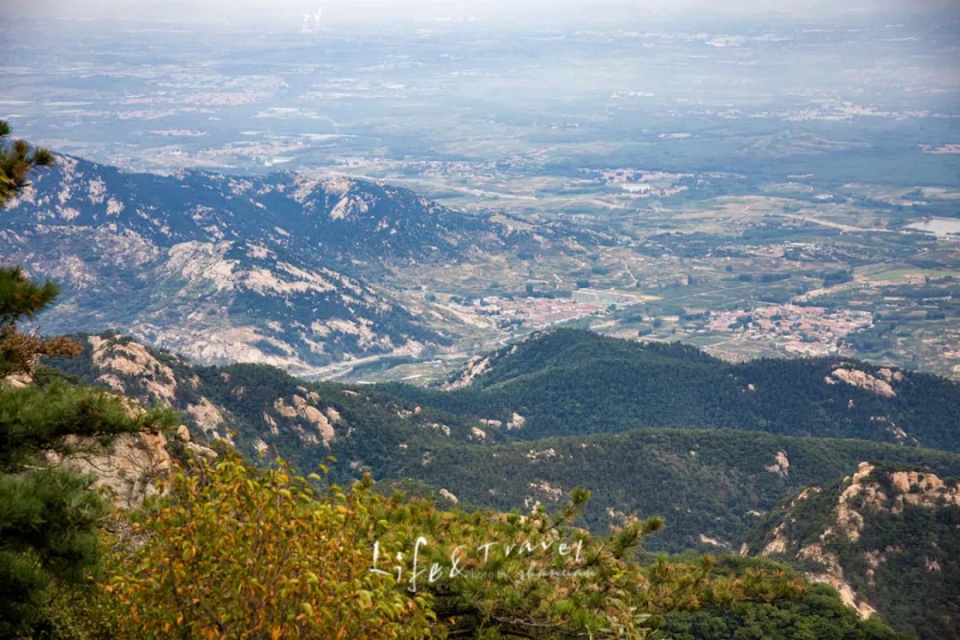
(818, 617)
(568, 382)
(714, 483)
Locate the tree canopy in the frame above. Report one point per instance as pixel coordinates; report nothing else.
(17, 159)
(49, 516)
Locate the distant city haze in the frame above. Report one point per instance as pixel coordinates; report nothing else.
(505, 12)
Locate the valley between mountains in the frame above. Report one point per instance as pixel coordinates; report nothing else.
(463, 320)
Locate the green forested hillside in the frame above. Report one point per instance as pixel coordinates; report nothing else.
(773, 428)
(710, 485)
(820, 616)
(568, 382)
(298, 563)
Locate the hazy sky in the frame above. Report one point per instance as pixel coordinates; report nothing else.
(505, 11)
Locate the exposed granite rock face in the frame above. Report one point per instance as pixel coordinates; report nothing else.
(17, 381)
(843, 514)
(863, 380)
(128, 359)
(781, 465)
(476, 366)
(833, 575)
(302, 408)
(206, 415)
(193, 448)
(449, 496)
(134, 466)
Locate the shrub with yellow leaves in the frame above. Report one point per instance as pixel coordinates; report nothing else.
(236, 552)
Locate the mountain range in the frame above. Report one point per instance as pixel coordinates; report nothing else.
(721, 476)
(279, 269)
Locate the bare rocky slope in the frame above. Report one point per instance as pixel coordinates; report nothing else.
(223, 269)
(262, 410)
(131, 466)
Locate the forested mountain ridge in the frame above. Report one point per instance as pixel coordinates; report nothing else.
(229, 521)
(570, 382)
(886, 536)
(713, 487)
(720, 481)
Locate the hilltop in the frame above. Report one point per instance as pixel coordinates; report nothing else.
(570, 382)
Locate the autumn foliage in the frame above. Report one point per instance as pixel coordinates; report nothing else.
(239, 552)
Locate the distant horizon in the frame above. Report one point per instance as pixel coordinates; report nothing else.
(318, 14)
